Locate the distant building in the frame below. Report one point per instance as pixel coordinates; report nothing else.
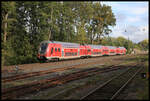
(137, 51)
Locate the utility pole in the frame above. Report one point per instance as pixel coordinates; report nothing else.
(128, 42)
(110, 40)
(128, 45)
(50, 34)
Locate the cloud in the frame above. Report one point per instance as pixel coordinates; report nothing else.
(118, 31)
(130, 16)
(134, 8)
(137, 34)
(133, 19)
(120, 17)
(145, 19)
(134, 33)
(139, 10)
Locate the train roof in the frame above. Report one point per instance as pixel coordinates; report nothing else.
(64, 44)
(76, 45)
(121, 47)
(96, 46)
(111, 47)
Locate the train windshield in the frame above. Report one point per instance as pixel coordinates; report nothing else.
(43, 48)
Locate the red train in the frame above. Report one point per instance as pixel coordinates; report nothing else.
(55, 50)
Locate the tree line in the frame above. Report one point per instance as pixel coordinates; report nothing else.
(25, 24)
(128, 44)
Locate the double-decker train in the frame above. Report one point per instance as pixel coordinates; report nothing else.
(56, 50)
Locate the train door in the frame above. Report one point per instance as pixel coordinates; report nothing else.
(107, 51)
(78, 52)
(103, 50)
(85, 50)
(52, 51)
(57, 51)
(88, 51)
(62, 52)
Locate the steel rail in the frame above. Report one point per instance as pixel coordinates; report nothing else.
(101, 86)
(54, 82)
(39, 73)
(105, 83)
(116, 94)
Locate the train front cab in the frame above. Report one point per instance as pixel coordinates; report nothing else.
(49, 51)
(42, 52)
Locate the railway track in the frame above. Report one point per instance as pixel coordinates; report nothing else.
(40, 73)
(11, 69)
(110, 89)
(14, 92)
(60, 62)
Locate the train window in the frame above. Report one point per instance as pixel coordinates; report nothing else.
(55, 49)
(70, 54)
(52, 50)
(58, 49)
(43, 48)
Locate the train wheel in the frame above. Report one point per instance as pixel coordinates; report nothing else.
(57, 59)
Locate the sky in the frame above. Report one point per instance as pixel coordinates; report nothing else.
(131, 19)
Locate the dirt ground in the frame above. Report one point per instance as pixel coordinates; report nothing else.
(101, 61)
(25, 68)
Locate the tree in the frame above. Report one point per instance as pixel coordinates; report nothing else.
(25, 24)
(8, 8)
(81, 35)
(144, 45)
(121, 41)
(103, 18)
(8, 20)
